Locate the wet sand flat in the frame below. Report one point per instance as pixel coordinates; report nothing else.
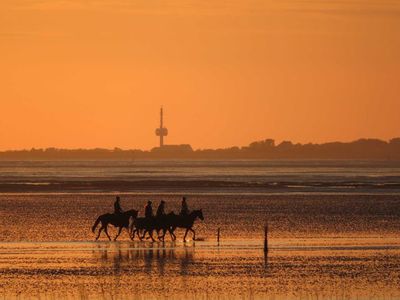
(321, 247)
(69, 217)
(143, 270)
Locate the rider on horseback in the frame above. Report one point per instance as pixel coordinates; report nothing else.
(117, 206)
(184, 208)
(148, 210)
(161, 209)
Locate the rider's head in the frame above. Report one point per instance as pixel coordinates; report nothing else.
(183, 199)
(117, 198)
(162, 202)
(149, 202)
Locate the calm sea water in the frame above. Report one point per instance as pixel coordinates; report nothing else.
(201, 176)
(334, 230)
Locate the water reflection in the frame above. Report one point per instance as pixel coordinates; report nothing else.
(149, 258)
(266, 260)
(134, 270)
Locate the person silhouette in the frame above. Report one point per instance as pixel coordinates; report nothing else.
(184, 208)
(148, 210)
(161, 209)
(117, 206)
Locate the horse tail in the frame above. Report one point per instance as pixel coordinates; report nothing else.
(96, 223)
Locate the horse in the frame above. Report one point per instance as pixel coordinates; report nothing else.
(148, 225)
(184, 221)
(167, 221)
(118, 220)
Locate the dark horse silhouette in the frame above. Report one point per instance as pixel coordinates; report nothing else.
(118, 220)
(186, 222)
(148, 225)
(166, 223)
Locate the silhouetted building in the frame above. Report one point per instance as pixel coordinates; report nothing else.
(173, 151)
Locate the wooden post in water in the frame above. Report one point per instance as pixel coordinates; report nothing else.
(266, 238)
(218, 234)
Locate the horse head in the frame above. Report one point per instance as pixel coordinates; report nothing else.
(132, 213)
(198, 214)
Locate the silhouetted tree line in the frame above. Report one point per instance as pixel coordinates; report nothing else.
(266, 149)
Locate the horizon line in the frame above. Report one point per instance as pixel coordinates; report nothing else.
(215, 148)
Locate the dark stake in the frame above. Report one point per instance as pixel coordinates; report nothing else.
(266, 238)
(218, 235)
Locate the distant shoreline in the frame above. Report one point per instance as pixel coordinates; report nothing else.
(90, 185)
(362, 149)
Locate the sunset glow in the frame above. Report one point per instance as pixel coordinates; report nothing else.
(81, 73)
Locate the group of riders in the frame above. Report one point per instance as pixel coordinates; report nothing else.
(148, 209)
(160, 222)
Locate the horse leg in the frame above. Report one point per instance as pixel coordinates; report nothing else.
(98, 235)
(130, 229)
(119, 232)
(163, 235)
(151, 236)
(106, 231)
(144, 231)
(184, 238)
(143, 235)
(161, 238)
(158, 234)
(139, 235)
(194, 234)
(149, 233)
(171, 233)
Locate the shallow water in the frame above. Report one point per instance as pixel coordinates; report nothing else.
(201, 176)
(69, 217)
(133, 270)
(321, 247)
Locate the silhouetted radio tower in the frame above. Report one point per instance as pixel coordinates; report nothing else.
(162, 131)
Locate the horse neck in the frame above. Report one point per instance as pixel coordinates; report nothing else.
(194, 214)
(130, 212)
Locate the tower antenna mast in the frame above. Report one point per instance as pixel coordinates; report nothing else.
(161, 131)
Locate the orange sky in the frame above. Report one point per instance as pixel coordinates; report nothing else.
(82, 73)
